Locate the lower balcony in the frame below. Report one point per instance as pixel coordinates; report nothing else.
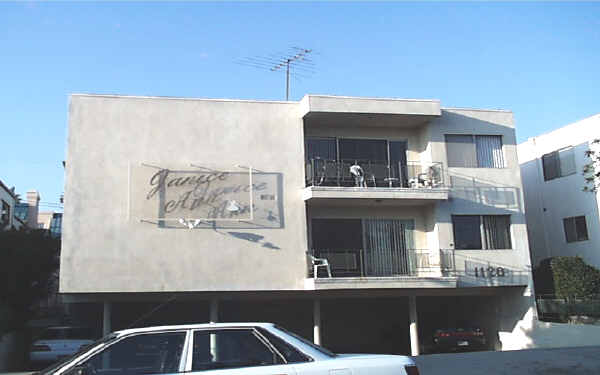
(386, 268)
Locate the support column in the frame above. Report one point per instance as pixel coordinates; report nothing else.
(214, 318)
(317, 322)
(106, 318)
(414, 332)
(214, 310)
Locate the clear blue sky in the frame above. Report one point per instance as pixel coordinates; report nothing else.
(540, 60)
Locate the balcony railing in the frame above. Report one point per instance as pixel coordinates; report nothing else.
(324, 172)
(364, 263)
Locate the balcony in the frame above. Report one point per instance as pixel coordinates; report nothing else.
(396, 268)
(366, 179)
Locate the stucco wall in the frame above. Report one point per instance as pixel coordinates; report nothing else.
(107, 249)
(549, 202)
(483, 191)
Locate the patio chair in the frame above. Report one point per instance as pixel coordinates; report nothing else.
(319, 262)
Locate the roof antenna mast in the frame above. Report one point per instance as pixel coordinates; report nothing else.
(297, 60)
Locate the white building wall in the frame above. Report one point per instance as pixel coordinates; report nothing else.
(549, 202)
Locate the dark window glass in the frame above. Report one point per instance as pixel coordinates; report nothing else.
(319, 348)
(220, 349)
(291, 354)
(490, 232)
(342, 234)
(575, 229)
(321, 148)
(558, 163)
(581, 228)
(5, 217)
(56, 225)
(156, 353)
(551, 166)
(363, 149)
(467, 232)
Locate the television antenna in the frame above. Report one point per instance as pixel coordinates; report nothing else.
(294, 63)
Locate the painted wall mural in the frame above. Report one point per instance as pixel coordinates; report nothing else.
(205, 197)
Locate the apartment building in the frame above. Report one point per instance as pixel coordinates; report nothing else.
(562, 218)
(8, 202)
(363, 223)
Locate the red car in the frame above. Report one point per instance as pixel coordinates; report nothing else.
(455, 339)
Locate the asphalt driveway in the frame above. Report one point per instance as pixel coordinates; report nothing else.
(562, 361)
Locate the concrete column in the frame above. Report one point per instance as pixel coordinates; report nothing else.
(106, 318)
(414, 333)
(317, 322)
(214, 318)
(214, 311)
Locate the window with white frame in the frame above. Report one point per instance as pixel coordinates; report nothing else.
(477, 232)
(575, 229)
(559, 163)
(475, 151)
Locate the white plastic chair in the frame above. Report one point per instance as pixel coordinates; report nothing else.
(319, 262)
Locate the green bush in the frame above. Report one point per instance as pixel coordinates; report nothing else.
(574, 279)
(28, 259)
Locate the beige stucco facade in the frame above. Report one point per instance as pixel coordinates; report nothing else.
(128, 228)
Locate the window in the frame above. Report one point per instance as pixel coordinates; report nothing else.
(559, 163)
(321, 148)
(474, 151)
(157, 353)
(291, 354)
(575, 229)
(5, 214)
(489, 232)
(56, 225)
(232, 348)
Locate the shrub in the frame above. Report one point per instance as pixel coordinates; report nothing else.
(574, 279)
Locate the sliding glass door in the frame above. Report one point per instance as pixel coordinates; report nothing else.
(365, 247)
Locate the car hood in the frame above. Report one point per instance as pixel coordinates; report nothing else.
(401, 358)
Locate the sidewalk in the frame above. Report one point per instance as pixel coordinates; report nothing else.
(562, 361)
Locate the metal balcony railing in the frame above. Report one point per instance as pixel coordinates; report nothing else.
(324, 172)
(365, 263)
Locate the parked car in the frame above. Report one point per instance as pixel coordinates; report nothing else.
(455, 339)
(221, 349)
(56, 343)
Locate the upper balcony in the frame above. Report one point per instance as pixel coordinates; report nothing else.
(333, 111)
(336, 181)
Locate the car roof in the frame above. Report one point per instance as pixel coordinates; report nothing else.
(192, 326)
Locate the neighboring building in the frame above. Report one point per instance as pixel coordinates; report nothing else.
(216, 208)
(562, 219)
(28, 211)
(51, 221)
(8, 202)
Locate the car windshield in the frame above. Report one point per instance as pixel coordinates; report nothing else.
(52, 368)
(321, 349)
